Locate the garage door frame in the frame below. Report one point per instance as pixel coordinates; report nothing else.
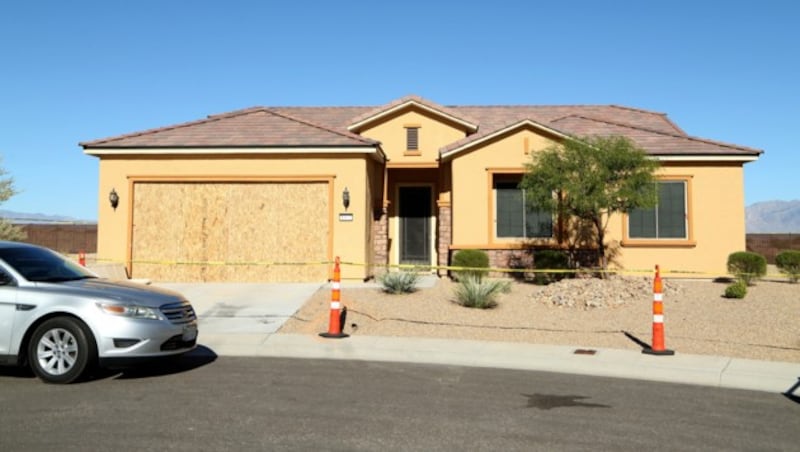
(317, 178)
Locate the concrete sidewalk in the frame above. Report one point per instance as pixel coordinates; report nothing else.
(243, 320)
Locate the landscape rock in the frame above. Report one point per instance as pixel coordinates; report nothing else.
(614, 291)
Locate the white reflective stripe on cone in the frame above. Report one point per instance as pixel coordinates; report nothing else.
(658, 319)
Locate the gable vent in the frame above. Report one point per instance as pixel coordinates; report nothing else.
(412, 138)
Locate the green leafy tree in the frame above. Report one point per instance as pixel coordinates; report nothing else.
(589, 179)
(8, 231)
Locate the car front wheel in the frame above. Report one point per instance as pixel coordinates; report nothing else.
(61, 350)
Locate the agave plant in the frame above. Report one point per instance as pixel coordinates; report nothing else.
(399, 282)
(474, 292)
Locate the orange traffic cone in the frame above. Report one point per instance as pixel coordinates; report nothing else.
(82, 258)
(335, 322)
(658, 320)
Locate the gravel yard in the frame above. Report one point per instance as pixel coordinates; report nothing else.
(586, 313)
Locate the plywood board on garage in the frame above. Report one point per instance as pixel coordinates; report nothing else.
(230, 231)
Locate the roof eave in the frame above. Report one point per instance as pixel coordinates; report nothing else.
(706, 157)
(450, 154)
(100, 151)
(360, 125)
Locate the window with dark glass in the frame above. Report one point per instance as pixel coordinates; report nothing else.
(412, 138)
(515, 218)
(667, 220)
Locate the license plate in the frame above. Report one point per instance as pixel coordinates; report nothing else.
(189, 332)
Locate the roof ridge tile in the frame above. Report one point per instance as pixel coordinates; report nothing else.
(673, 135)
(228, 115)
(321, 127)
(651, 112)
(209, 118)
(420, 100)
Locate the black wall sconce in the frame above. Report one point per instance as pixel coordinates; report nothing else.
(113, 198)
(346, 198)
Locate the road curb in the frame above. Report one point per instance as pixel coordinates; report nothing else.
(713, 371)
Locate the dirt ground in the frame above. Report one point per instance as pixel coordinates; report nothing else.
(765, 325)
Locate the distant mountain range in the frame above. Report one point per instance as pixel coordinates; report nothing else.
(762, 217)
(773, 217)
(21, 217)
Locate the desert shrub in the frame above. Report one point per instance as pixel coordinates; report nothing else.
(788, 262)
(473, 259)
(736, 290)
(747, 266)
(399, 282)
(474, 292)
(550, 260)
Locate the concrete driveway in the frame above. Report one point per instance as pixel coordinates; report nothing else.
(243, 308)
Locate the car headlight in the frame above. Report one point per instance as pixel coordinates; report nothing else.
(128, 310)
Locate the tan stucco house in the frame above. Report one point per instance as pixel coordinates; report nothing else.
(409, 182)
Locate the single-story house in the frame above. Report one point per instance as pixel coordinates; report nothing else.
(275, 193)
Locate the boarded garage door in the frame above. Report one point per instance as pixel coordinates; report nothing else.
(242, 224)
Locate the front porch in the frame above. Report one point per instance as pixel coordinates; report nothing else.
(413, 226)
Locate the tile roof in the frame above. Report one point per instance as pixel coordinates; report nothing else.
(328, 126)
(242, 128)
(459, 116)
(475, 139)
(656, 142)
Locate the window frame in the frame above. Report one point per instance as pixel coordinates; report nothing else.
(687, 241)
(510, 176)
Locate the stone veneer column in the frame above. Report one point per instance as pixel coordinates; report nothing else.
(380, 230)
(444, 236)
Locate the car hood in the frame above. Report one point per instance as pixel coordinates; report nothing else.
(120, 291)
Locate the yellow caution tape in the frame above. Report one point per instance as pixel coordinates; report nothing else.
(419, 267)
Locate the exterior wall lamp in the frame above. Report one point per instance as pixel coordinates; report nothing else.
(113, 198)
(346, 198)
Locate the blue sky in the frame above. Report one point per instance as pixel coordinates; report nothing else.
(80, 70)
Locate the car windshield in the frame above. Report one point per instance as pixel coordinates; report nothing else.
(39, 264)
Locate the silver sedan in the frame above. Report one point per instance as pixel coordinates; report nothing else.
(62, 320)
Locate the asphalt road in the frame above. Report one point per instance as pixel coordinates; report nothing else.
(216, 404)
